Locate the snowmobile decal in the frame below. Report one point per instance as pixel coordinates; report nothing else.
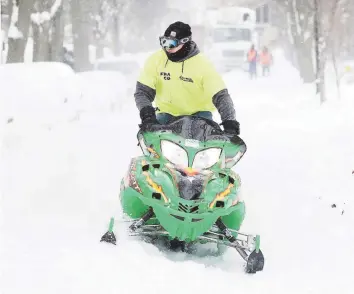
(155, 186)
(221, 196)
(132, 182)
(173, 173)
(153, 152)
(152, 184)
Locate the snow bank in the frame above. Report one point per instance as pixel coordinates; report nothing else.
(103, 92)
(48, 93)
(41, 93)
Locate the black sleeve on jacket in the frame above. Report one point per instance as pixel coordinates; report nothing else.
(224, 105)
(144, 95)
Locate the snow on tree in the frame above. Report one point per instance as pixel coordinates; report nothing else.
(20, 12)
(313, 28)
(106, 21)
(47, 30)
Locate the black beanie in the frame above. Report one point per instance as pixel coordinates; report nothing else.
(178, 30)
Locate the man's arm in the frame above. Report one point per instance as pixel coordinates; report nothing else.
(215, 88)
(224, 105)
(144, 96)
(146, 90)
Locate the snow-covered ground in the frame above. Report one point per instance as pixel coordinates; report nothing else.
(39, 93)
(60, 184)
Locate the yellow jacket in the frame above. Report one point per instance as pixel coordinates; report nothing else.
(182, 88)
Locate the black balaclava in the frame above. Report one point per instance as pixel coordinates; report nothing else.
(181, 30)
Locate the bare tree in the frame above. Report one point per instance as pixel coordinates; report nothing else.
(81, 11)
(103, 19)
(4, 26)
(106, 21)
(20, 11)
(327, 15)
(319, 56)
(299, 22)
(118, 6)
(339, 34)
(40, 28)
(47, 30)
(142, 24)
(57, 36)
(313, 27)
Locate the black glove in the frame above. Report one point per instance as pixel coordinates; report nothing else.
(231, 127)
(148, 117)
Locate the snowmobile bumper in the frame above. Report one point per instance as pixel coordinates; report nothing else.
(247, 245)
(183, 222)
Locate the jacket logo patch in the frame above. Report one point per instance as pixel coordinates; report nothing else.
(166, 75)
(189, 80)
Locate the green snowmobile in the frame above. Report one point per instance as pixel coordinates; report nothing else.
(183, 188)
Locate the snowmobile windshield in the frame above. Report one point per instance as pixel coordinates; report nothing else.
(195, 128)
(192, 142)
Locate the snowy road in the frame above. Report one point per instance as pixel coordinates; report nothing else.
(60, 186)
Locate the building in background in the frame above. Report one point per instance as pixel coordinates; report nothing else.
(220, 31)
(265, 9)
(232, 34)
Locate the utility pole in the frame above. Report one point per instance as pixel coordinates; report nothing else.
(320, 58)
(317, 46)
(1, 37)
(118, 7)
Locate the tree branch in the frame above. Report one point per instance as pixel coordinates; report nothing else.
(41, 17)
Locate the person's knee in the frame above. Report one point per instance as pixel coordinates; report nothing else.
(164, 118)
(204, 114)
(207, 115)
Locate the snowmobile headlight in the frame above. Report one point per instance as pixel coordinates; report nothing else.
(206, 158)
(174, 153)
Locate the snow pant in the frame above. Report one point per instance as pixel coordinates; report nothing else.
(252, 69)
(265, 69)
(165, 118)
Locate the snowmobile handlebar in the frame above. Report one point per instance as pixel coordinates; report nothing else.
(194, 127)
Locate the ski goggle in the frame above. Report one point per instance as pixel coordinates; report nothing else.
(169, 42)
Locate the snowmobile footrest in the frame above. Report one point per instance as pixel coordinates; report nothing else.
(137, 224)
(231, 238)
(225, 230)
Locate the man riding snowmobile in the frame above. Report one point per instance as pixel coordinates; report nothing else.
(182, 81)
(181, 190)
